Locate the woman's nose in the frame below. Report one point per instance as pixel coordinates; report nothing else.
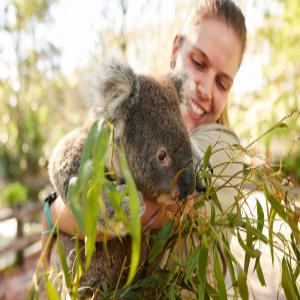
(204, 88)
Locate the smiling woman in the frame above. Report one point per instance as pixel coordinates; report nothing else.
(210, 50)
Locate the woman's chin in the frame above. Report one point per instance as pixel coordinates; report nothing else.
(192, 121)
(192, 124)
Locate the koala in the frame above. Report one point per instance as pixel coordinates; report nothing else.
(145, 112)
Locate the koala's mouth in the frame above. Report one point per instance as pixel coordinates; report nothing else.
(164, 198)
(168, 198)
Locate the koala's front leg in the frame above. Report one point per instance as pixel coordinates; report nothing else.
(63, 167)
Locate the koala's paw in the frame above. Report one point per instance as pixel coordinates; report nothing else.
(125, 203)
(107, 219)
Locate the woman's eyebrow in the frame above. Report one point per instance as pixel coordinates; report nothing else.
(228, 77)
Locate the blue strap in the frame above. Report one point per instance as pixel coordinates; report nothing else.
(48, 218)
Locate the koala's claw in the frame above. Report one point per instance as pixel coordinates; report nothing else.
(125, 203)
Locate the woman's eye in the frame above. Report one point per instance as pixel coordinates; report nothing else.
(222, 86)
(198, 64)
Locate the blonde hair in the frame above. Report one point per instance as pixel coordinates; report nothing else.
(224, 119)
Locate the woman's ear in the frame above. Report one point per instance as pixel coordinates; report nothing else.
(177, 43)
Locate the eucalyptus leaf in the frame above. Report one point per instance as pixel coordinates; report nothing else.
(219, 275)
(259, 272)
(242, 283)
(160, 240)
(51, 291)
(202, 267)
(135, 228)
(64, 264)
(290, 289)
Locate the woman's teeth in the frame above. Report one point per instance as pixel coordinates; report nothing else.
(197, 110)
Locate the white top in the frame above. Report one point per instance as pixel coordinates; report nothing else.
(226, 159)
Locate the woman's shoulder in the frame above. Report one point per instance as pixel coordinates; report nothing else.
(226, 155)
(215, 133)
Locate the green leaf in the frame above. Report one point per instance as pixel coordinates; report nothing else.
(202, 266)
(77, 212)
(295, 246)
(90, 222)
(288, 283)
(260, 217)
(135, 225)
(215, 199)
(242, 283)
(206, 158)
(249, 245)
(51, 291)
(229, 259)
(64, 264)
(84, 172)
(259, 272)
(219, 275)
(78, 270)
(172, 293)
(88, 145)
(210, 292)
(160, 240)
(251, 252)
(91, 204)
(32, 294)
(191, 264)
(271, 243)
(74, 192)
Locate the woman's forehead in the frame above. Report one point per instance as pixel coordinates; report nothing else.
(219, 43)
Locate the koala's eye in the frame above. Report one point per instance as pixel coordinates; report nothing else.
(162, 155)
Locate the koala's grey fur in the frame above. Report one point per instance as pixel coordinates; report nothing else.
(145, 112)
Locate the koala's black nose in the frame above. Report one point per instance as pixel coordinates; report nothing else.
(201, 183)
(186, 183)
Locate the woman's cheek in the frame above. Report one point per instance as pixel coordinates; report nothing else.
(220, 105)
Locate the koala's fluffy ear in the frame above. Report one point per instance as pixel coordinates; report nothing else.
(113, 82)
(183, 84)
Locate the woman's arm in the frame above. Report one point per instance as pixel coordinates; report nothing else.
(155, 216)
(63, 218)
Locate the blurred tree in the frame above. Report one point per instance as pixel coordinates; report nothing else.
(275, 45)
(141, 33)
(279, 38)
(31, 90)
(282, 72)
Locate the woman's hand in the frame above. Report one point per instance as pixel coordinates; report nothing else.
(157, 214)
